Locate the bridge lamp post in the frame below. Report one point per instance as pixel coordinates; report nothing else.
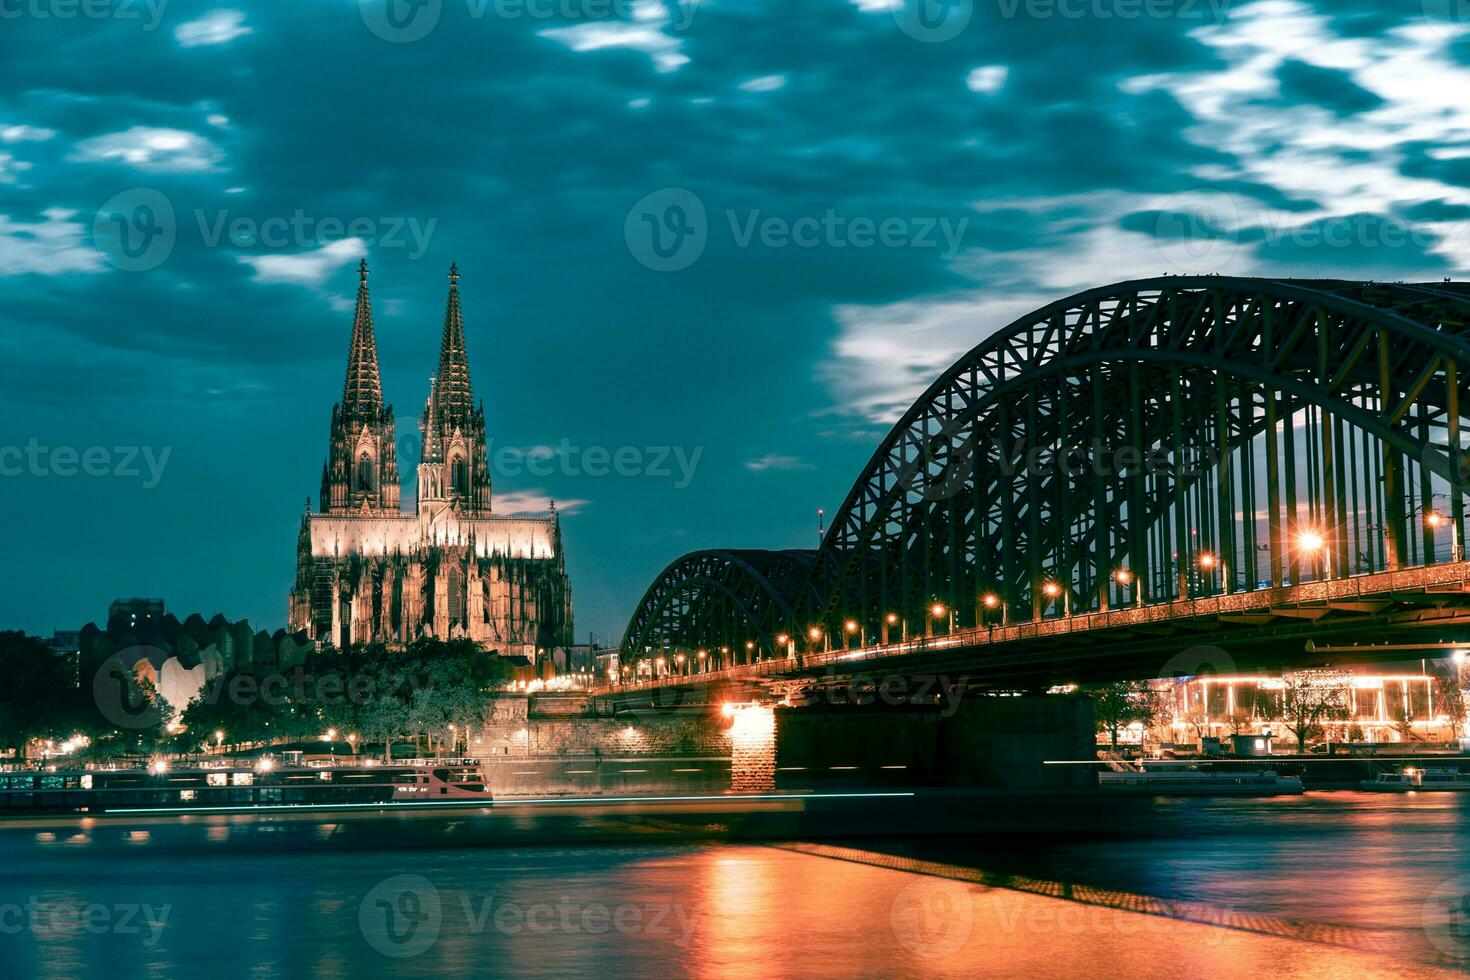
(816, 633)
(749, 650)
(1312, 543)
(939, 611)
(679, 659)
(1207, 563)
(992, 602)
(1436, 520)
(850, 627)
(891, 620)
(1052, 589)
(783, 640)
(658, 668)
(1125, 578)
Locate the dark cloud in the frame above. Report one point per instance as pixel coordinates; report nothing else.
(1327, 87)
(525, 157)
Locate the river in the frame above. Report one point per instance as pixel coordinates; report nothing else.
(1326, 884)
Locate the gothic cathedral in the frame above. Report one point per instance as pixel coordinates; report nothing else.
(367, 572)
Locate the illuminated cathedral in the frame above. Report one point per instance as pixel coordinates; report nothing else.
(451, 568)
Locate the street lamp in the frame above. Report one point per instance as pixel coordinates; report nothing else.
(850, 627)
(1053, 589)
(892, 620)
(1207, 563)
(1435, 520)
(749, 650)
(992, 602)
(1310, 543)
(219, 737)
(784, 640)
(816, 633)
(1126, 579)
(938, 611)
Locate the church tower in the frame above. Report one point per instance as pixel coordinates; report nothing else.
(455, 469)
(361, 471)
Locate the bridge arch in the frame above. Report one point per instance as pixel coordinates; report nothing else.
(729, 604)
(1158, 439)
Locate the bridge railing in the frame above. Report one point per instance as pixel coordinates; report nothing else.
(1442, 577)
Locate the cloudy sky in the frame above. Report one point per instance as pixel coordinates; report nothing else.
(731, 240)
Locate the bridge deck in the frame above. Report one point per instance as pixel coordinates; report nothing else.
(1443, 586)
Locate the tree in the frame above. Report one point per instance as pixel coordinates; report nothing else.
(1308, 698)
(1449, 692)
(1118, 705)
(35, 700)
(1199, 721)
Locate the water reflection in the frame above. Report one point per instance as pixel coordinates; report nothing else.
(257, 895)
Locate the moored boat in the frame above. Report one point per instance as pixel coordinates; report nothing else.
(1412, 780)
(1189, 780)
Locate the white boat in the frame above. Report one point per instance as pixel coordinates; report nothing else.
(1411, 780)
(1190, 780)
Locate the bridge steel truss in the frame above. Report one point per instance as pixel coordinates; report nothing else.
(729, 606)
(1138, 443)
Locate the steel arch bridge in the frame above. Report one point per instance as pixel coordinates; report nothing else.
(735, 602)
(1134, 444)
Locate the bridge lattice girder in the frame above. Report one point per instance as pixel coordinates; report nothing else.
(717, 600)
(1200, 419)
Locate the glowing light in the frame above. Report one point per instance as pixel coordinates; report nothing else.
(851, 626)
(750, 644)
(1051, 589)
(266, 764)
(1310, 541)
(814, 633)
(158, 767)
(990, 599)
(727, 709)
(1433, 519)
(891, 618)
(1123, 575)
(938, 610)
(1206, 560)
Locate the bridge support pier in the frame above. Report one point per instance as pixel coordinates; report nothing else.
(974, 741)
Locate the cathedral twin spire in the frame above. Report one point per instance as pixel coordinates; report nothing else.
(361, 463)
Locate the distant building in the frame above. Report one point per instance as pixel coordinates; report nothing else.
(65, 643)
(135, 612)
(1380, 707)
(366, 572)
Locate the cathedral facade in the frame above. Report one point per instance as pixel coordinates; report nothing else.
(367, 571)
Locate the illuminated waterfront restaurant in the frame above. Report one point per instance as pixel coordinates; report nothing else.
(1380, 708)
